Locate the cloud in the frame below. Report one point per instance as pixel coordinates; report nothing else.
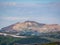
(27, 18)
(53, 4)
(47, 19)
(7, 4)
(30, 9)
(14, 18)
(29, 4)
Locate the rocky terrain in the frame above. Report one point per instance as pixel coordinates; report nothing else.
(32, 25)
(33, 31)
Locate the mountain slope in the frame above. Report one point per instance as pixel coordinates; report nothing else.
(32, 25)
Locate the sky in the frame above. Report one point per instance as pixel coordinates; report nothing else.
(42, 11)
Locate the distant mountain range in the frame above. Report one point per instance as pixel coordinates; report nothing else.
(32, 25)
(32, 28)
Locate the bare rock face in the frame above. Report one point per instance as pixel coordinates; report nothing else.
(32, 25)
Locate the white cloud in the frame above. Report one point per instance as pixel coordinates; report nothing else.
(14, 18)
(8, 3)
(30, 4)
(47, 18)
(29, 18)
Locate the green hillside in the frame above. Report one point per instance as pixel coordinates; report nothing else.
(7, 40)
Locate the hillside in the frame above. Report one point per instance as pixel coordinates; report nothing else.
(31, 25)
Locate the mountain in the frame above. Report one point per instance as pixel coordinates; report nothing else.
(33, 31)
(32, 25)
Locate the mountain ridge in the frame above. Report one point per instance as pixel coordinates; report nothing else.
(32, 25)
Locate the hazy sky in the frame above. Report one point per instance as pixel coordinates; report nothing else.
(43, 11)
